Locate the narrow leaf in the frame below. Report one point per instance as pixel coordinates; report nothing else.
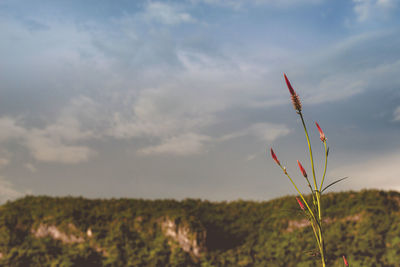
(337, 181)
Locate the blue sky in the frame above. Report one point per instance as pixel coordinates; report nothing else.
(176, 99)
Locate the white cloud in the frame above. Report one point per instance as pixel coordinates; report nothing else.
(169, 110)
(363, 8)
(238, 4)
(342, 70)
(180, 105)
(396, 114)
(177, 115)
(175, 105)
(337, 87)
(10, 129)
(369, 9)
(166, 14)
(266, 132)
(54, 142)
(171, 115)
(387, 3)
(185, 144)
(51, 150)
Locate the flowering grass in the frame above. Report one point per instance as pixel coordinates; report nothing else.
(312, 211)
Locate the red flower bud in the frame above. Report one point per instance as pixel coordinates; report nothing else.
(295, 98)
(345, 261)
(292, 92)
(303, 171)
(321, 133)
(300, 203)
(275, 157)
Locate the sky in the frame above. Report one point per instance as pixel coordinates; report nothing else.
(183, 99)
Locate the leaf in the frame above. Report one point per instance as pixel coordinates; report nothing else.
(337, 181)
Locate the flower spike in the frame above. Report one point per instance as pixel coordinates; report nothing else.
(275, 157)
(321, 133)
(300, 203)
(295, 97)
(292, 92)
(303, 171)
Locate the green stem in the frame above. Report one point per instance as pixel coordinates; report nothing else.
(309, 147)
(298, 191)
(312, 193)
(321, 239)
(316, 235)
(317, 194)
(326, 163)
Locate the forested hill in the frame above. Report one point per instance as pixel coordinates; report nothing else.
(68, 231)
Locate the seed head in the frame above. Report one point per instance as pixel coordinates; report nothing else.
(303, 171)
(296, 102)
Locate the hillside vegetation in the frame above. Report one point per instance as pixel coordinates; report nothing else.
(68, 231)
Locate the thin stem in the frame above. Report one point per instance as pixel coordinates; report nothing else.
(316, 235)
(326, 163)
(322, 247)
(300, 194)
(309, 147)
(317, 193)
(312, 193)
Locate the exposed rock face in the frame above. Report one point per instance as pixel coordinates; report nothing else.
(293, 225)
(89, 232)
(51, 230)
(190, 242)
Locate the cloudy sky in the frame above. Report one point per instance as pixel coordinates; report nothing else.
(176, 99)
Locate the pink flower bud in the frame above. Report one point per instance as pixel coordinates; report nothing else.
(275, 157)
(321, 133)
(300, 203)
(303, 171)
(345, 261)
(292, 92)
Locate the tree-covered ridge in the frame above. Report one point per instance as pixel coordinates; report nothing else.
(68, 231)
